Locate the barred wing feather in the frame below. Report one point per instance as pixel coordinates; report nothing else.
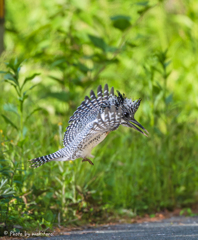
(86, 113)
(105, 122)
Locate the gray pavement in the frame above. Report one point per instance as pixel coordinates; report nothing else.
(184, 228)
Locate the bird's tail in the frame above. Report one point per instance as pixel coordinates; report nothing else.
(37, 162)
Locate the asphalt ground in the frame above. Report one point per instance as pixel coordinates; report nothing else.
(184, 228)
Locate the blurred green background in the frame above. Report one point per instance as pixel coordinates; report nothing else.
(55, 53)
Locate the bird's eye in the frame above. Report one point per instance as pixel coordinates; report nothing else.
(126, 114)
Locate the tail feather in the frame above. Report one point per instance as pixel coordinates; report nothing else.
(37, 162)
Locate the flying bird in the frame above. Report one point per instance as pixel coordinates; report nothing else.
(93, 120)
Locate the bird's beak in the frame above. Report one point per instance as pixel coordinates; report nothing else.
(132, 123)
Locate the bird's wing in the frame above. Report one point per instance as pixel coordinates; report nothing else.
(107, 121)
(89, 111)
(93, 104)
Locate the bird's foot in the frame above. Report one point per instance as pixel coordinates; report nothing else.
(87, 160)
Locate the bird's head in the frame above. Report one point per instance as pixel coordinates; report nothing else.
(129, 109)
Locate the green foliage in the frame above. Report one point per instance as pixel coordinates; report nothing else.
(11, 76)
(121, 22)
(145, 49)
(187, 212)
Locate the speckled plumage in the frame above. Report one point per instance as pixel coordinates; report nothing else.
(91, 123)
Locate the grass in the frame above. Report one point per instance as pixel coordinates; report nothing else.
(152, 56)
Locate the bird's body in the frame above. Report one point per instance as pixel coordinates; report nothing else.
(91, 123)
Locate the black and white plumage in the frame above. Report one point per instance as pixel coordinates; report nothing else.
(93, 120)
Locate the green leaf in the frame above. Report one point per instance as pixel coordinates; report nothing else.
(20, 144)
(58, 62)
(56, 79)
(132, 45)
(3, 160)
(98, 42)
(121, 22)
(29, 79)
(30, 114)
(118, 17)
(6, 170)
(7, 120)
(14, 85)
(143, 10)
(25, 96)
(156, 90)
(10, 77)
(169, 99)
(111, 49)
(62, 96)
(111, 61)
(167, 75)
(24, 131)
(99, 58)
(49, 216)
(10, 108)
(145, 3)
(3, 182)
(82, 67)
(15, 64)
(157, 131)
(167, 63)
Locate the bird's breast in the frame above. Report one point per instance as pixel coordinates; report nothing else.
(85, 147)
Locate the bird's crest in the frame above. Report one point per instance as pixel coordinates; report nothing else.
(120, 97)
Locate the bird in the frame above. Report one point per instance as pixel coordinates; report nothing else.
(90, 124)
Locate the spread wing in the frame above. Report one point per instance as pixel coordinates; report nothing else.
(92, 111)
(107, 121)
